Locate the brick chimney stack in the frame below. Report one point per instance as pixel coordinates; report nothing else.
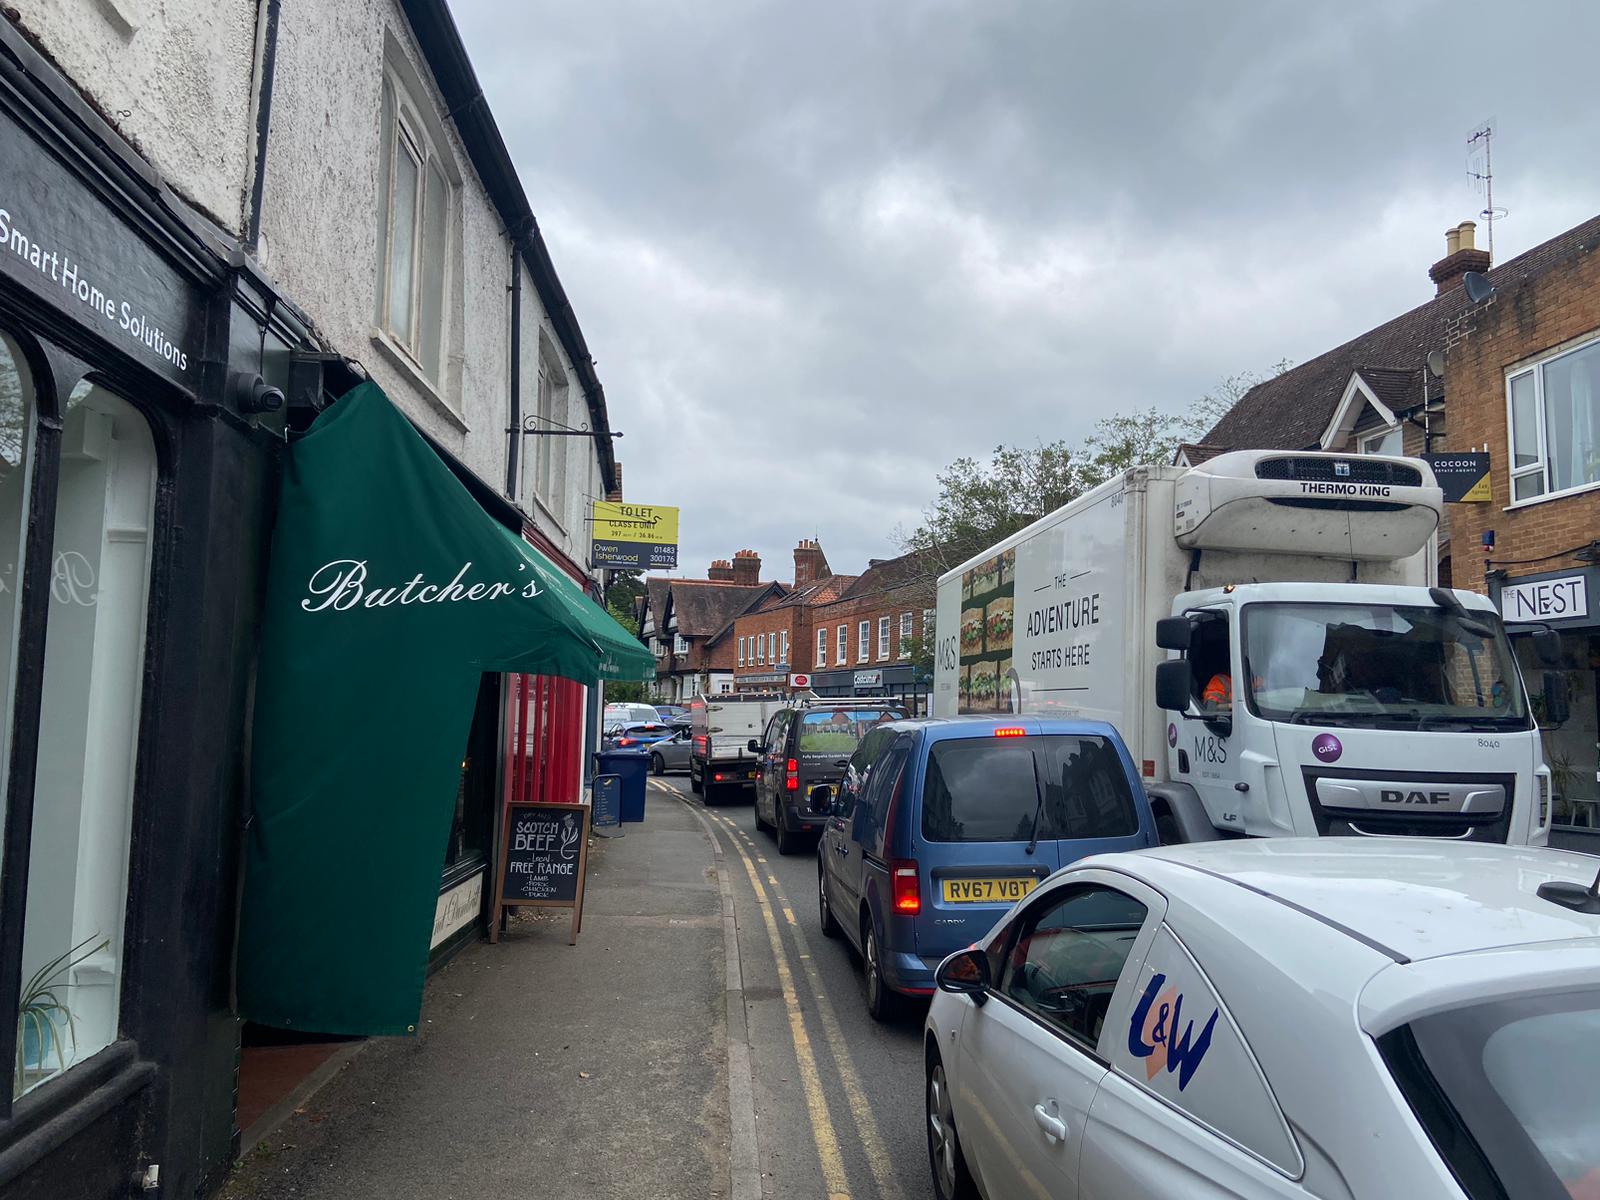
(1461, 254)
(721, 571)
(747, 568)
(810, 564)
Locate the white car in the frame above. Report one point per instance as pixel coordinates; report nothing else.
(1363, 1019)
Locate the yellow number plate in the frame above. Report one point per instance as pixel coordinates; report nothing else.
(986, 891)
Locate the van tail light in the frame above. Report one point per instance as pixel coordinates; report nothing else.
(907, 891)
(791, 779)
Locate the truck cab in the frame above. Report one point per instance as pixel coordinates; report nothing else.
(1299, 709)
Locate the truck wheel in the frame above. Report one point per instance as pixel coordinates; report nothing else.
(696, 783)
(658, 765)
(1167, 831)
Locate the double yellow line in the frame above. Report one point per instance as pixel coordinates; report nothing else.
(822, 1125)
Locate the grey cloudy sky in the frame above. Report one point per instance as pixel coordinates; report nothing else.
(821, 250)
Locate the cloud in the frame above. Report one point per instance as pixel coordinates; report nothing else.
(819, 251)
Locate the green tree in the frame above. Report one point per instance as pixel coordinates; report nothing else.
(982, 501)
(622, 596)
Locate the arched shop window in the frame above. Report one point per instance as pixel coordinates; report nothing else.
(16, 460)
(72, 953)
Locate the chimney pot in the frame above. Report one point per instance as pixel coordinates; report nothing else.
(1452, 240)
(747, 568)
(1468, 231)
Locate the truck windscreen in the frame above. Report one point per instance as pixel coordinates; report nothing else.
(1381, 666)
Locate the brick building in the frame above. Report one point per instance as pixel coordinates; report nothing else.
(860, 643)
(688, 625)
(1529, 352)
(1522, 370)
(769, 642)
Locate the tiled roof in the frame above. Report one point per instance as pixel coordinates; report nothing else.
(1292, 410)
(885, 575)
(1195, 453)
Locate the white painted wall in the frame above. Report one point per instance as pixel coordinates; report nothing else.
(176, 78)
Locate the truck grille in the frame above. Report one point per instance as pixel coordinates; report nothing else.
(1355, 469)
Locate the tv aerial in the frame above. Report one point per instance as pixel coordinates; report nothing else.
(1480, 171)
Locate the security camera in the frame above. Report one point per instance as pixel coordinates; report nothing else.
(252, 394)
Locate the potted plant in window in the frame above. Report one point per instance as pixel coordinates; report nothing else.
(44, 1022)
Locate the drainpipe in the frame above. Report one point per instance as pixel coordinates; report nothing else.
(514, 426)
(266, 70)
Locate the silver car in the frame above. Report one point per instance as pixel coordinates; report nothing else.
(673, 753)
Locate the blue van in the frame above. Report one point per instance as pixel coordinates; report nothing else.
(940, 826)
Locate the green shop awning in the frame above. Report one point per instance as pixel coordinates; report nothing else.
(389, 593)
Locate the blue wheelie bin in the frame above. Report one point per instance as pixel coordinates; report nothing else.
(632, 766)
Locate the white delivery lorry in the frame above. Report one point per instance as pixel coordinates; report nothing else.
(721, 726)
(1264, 632)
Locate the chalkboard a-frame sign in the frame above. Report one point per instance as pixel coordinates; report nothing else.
(543, 858)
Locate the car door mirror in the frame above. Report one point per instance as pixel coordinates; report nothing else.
(1174, 685)
(966, 973)
(754, 745)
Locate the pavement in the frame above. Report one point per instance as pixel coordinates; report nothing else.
(543, 1069)
(702, 1039)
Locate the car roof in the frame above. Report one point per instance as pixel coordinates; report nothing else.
(1410, 899)
(977, 725)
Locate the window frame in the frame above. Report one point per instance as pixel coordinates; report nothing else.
(783, 646)
(864, 641)
(1535, 368)
(908, 631)
(883, 638)
(822, 647)
(1380, 434)
(742, 642)
(761, 651)
(844, 645)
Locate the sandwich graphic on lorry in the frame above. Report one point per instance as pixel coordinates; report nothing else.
(999, 624)
(964, 701)
(983, 687)
(972, 631)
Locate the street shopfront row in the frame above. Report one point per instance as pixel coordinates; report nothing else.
(153, 388)
(1567, 601)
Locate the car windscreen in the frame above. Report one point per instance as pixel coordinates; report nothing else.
(839, 731)
(1520, 1077)
(994, 789)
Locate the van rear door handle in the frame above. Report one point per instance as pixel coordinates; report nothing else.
(1047, 1119)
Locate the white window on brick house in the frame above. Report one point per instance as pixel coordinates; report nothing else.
(418, 226)
(742, 642)
(906, 626)
(883, 638)
(822, 647)
(679, 646)
(783, 646)
(1384, 441)
(1553, 423)
(772, 648)
(864, 641)
(844, 644)
(761, 650)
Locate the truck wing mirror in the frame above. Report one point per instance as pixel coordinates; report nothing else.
(1174, 685)
(753, 745)
(1173, 633)
(1547, 645)
(1557, 703)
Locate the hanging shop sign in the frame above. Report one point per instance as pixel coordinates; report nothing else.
(458, 908)
(390, 593)
(800, 682)
(634, 537)
(62, 244)
(542, 860)
(1464, 478)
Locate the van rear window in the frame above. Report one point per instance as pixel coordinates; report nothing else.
(840, 731)
(988, 790)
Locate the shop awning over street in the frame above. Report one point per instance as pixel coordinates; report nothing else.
(390, 592)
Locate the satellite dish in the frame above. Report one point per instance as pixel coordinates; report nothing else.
(1478, 286)
(1436, 363)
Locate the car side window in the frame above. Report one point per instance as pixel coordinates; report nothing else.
(1066, 955)
(875, 802)
(774, 734)
(858, 773)
(1182, 1044)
